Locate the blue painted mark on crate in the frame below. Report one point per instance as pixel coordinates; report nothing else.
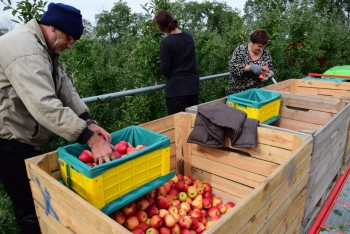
(47, 197)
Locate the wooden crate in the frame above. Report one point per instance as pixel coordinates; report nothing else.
(327, 120)
(319, 88)
(269, 187)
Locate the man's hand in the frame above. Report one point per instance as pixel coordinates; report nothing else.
(100, 131)
(101, 149)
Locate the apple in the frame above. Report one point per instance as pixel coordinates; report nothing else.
(172, 183)
(203, 220)
(194, 224)
(120, 148)
(173, 210)
(164, 230)
(176, 204)
(216, 200)
(141, 215)
(130, 209)
(182, 196)
(151, 194)
(174, 193)
(142, 203)
(137, 230)
(180, 176)
(119, 217)
(175, 179)
(222, 208)
(167, 186)
(196, 213)
(229, 205)
(185, 206)
(207, 187)
(214, 210)
(86, 156)
(189, 200)
(201, 190)
(156, 221)
(207, 202)
(181, 186)
(198, 183)
(185, 222)
(130, 150)
(144, 226)
(205, 213)
(214, 218)
(132, 222)
(192, 191)
(188, 180)
(169, 199)
(185, 231)
(151, 211)
(208, 194)
(176, 229)
(197, 203)
(161, 191)
(169, 220)
(176, 216)
(201, 228)
(116, 155)
(152, 230)
(182, 212)
(162, 203)
(163, 212)
(150, 200)
(140, 147)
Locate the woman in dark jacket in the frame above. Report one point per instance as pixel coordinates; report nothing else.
(178, 63)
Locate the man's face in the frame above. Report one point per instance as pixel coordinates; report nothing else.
(61, 41)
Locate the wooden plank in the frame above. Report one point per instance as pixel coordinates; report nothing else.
(235, 160)
(226, 171)
(58, 201)
(296, 125)
(283, 86)
(306, 115)
(160, 125)
(269, 153)
(194, 109)
(324, 85)
(228, 186)
(277, 138)
(307, 102)
(238, 216)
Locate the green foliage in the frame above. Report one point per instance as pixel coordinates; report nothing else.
(25, 10)
(7, 217)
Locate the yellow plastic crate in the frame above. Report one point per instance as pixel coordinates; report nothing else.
(259, 104)
(109, 185)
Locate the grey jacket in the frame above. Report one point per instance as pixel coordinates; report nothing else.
(36, 97)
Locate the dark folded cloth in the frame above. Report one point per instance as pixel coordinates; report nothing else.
(213, 122)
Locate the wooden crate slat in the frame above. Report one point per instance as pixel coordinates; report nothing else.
(167, 123)
(296, 125)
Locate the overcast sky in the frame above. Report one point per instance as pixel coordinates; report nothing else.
(89, 8)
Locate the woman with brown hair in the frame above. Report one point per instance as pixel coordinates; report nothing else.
(178, 63)
(248, 61)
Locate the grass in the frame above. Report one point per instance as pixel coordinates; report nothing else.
(7, 217)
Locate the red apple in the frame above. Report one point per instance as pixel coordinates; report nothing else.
(176, 216)
(119, 217)
(176, 203)
(174, 193)
(162, 203)
(132, 222)
(196, 213)
(144, 226)
(130, 209)
(176, 229)
(161, 191)
(194, 224)
(142, 216)
(164, 230)
(201, 228)
(140, 147)
(207, 187)
(167, 186)
(185, 222)
(142, 203)
(185, 206)
(214, 218)
(198, 183)
(151, 211)
(163, 212)
(207, 202)
(172, 183)
(175, 179)
(181, 186)
(120, 148)
(137, 230)
(205, 213)
(229, 205)
(208, 194)
(214, 210)
(197, 203)
(131, 150)
(169, 199)
(182, 212)
(169, 220)
(151, 194)
(185, 231)
(116, 155)
(156, 221)
(150, 200)
(86, 156)
(188, 180)
(222, 208)
(180, 176)
(216, 200)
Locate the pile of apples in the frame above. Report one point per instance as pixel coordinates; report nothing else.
(182, 205)
(121, 149)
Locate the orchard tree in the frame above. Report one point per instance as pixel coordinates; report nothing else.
(25, 10)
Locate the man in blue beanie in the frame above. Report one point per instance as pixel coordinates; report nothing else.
(37, 100)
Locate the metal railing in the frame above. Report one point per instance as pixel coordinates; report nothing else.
(143, 90)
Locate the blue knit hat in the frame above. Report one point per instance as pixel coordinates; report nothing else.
(65, 18)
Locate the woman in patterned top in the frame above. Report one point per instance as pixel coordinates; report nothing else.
(247, 63)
